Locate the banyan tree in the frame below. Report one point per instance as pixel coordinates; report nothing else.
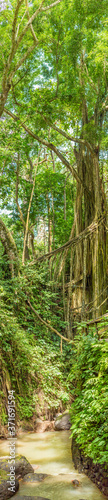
(54, 93)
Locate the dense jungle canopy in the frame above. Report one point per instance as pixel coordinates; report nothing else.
(53, 216)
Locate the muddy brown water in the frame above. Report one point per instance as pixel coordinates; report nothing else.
(50, 453)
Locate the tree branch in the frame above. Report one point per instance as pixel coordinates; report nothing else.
(19, 2)
(7, 79)
(51, 147)
(31, 19)
(13, 48)
(84, 142)
(31, 27)
(20, 62)
(51, 5)
(47, 323)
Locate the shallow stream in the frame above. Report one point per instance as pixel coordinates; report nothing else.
(50, 453)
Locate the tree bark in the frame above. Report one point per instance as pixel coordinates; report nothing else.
(91, 209)
(10, 248)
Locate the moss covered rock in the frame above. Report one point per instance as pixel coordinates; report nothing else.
(22, 466)
(6, 489)
(24, 497)
(32, 478)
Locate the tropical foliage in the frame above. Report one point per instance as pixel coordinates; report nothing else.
(53, 216)
(89, 380)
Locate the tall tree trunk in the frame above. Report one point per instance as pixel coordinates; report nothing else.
(24, 256)
(92, 208)
(10, 248)
(53, 222)
(49, 235)
(49, 225)
(65, 200)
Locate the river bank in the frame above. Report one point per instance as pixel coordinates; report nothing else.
(50, 453)
(96, 472)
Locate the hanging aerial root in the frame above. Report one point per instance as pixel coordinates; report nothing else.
(62, 261)
(74, 241)
(56, 275)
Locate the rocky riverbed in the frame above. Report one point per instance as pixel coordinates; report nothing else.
(48, 472)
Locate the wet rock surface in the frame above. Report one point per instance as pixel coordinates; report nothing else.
(75, 483)
(43, 426)
(32, 478)
(96, 472)
(5, 493)
(22, 466)
(62, 422)
(24, 497)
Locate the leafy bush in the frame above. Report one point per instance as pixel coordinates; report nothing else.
(31, 361)
(89, 412)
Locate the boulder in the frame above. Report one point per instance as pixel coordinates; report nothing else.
(6, 490)
(43, 426)
(75, 483)
(32, 478)
(24, 497)
(22, 466)
(62, 423)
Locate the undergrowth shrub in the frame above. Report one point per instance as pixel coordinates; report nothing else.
(89, 381)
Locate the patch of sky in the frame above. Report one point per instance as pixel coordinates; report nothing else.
(103, 155)
(4, 212)
(43, 77)
(4, 4)
(42, 70)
